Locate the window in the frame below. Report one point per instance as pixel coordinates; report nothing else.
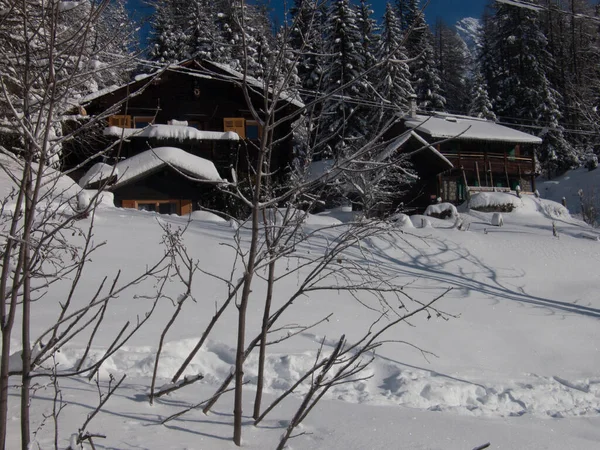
(121, 121)
(142, 121)
(253, 130)
(195, 124)
(235, 124)
(181, 207)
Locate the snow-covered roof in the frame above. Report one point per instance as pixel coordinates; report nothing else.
(444, 126)
(182, 68)
(148, 162)
(179, 132)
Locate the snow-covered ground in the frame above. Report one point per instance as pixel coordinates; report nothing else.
(518, 366)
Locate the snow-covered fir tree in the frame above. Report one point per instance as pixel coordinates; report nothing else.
(54, 53)
(342, 127)
(306, 40)
(516, 62)
(393, 77)
(425, 78)
(169, 38)
(226, 31)
(453, 61)
(481, 105)
(369, 43)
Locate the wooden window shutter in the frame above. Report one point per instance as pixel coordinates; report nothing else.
(235, 124)
(122, 121)
(186, 207)
(128, 204)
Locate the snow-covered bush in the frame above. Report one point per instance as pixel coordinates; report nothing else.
(442, 211)
(495, 202)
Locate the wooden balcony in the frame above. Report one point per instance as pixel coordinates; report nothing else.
(499, 163)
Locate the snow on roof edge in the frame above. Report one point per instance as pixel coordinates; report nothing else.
(148, 162)
(178, 132)
(446, 126)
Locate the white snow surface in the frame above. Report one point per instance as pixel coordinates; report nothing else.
(149, 161)
(518, 364)
(441, 125)
(178, 132)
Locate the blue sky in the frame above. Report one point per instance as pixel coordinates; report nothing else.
(448, 10)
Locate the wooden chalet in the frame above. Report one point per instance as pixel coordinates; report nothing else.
(197, 107)
(483, 156)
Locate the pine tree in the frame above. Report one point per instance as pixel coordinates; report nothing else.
(453, 62)
(168, 41)
(48, 61)
(369, 44)
(341, 124)
(517, 64)
(425, 79)
(481, 105)
(393, 85)
(306, 39)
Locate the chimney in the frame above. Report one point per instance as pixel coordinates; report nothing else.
(412, 105)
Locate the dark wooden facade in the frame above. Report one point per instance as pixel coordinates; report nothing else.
(208, 97)
(485, 164)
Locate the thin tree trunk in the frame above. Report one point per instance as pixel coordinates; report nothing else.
(263, 342)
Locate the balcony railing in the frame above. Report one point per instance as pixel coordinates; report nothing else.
(495, 162)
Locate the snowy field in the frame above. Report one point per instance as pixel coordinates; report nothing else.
(518, 364)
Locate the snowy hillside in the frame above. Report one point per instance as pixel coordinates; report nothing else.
(515, 360)
(569, 185)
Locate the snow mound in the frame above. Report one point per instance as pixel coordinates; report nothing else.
(343, 214)
(206, 216)
(322, 220)
(442, 211)
(402, 220)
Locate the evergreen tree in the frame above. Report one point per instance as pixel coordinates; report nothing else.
(481, 105)
(341, 125)
(403, 14)
(306, 39)
(517, 63)
(169, 41)
(48, 61)
(369, 43)
(393, 85)
(453, 62)
(425, 79)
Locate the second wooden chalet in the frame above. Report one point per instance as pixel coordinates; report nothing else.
(484, 155)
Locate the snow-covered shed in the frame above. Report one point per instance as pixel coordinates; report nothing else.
(165, 179)
(484, 154)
